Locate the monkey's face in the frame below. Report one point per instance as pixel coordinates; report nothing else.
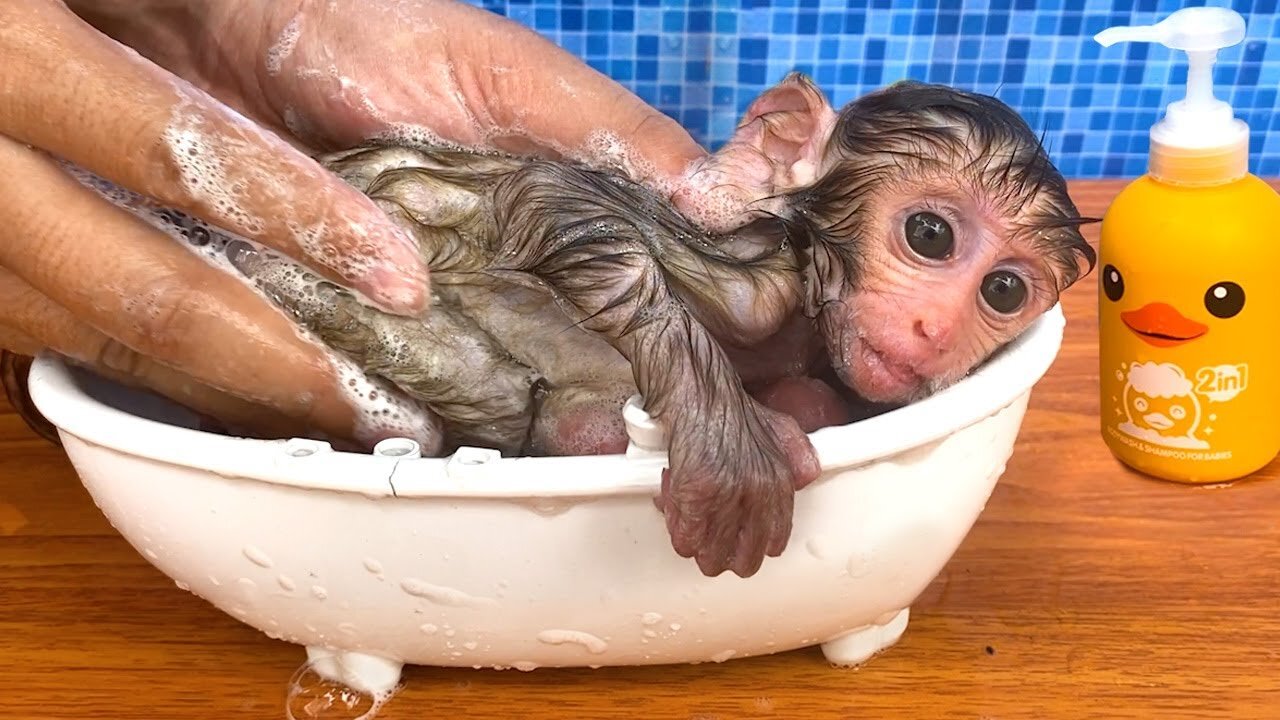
(930, 221)
(936, 231)
(944, 278)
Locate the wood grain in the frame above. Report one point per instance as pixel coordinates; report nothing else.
(1083, 591)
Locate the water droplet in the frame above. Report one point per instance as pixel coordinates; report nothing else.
(525, 665)
(287, 583)
(319, 592)
(347, 628)
(859, 565)
(817, 548)
(256, 556)
(151, 554)
(450, 632)
(593, 644)
(311, 696)
(649, 633)
(470, 644)
(373, 566)
(216, 582)
(651, 618)
(723, 655)
(441, 595)
(549, 507)
(675, 627)
(429, 629)
(247, 585)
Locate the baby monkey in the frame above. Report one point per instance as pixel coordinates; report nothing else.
(893, 245)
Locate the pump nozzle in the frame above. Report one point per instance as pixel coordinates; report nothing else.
(1189, 29)
(1199, 122)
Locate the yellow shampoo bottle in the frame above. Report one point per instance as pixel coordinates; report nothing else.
(1188, 310)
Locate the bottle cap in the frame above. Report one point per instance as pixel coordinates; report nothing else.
(1199, 141)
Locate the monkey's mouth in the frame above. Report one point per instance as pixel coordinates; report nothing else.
(886, 378)
(1161, 325)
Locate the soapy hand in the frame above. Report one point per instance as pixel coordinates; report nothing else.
(212, 109)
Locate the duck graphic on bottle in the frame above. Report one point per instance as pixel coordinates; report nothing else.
(1161, 403)
(1189, 322)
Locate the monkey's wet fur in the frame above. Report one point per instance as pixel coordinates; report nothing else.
(889, 248)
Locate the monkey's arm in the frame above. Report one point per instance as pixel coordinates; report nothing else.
(734, 465)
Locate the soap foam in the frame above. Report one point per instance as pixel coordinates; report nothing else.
(202, 168)
(284, 45)
(216, 167)
(382, 410)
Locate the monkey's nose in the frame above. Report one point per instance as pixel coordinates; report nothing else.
(935, 331)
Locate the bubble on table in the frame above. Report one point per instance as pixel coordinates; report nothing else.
(311, 696)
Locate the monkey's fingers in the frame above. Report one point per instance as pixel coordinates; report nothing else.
(729, 506)
(118, 276)
(79, 95)
(719, 513)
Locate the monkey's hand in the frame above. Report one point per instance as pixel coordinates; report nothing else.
(729, 493)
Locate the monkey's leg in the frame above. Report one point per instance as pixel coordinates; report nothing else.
(446, 361)
(581, 419)
(734, 464)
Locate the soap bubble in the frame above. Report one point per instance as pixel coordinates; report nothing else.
(311, 696)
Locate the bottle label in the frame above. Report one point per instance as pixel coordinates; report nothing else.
(1163, 410)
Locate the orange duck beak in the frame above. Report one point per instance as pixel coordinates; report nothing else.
(1159, 324)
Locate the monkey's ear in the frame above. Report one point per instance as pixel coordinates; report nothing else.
(789, 124)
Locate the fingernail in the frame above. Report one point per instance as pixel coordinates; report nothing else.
(398, 284)
(400, 291)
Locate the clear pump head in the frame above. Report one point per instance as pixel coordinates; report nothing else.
(1199, 141)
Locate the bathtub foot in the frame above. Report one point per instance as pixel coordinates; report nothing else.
(367, 673)
(857, 646)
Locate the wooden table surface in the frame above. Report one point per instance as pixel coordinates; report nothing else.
(1084, 591)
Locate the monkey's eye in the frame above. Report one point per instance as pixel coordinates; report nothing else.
(1112, 283)
(929, 235)
(1224, 300)
(1004, 291)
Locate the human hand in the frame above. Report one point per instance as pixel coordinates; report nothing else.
(332, 73)
(135, 304)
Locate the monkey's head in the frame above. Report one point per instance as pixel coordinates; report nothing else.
(931, 222)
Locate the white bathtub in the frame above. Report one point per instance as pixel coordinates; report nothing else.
(374, 561)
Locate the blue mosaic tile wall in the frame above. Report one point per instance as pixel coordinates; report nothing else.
(703, 61)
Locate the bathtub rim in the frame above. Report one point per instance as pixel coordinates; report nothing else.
(54, 390)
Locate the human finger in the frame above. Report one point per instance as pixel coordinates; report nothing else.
(30, 315)
(164, 302)
(18, 342)
(466, 76)
(79, 95)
